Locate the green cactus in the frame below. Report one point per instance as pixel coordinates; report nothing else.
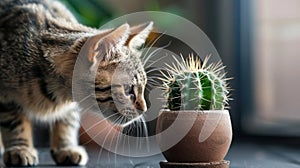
(192, 86)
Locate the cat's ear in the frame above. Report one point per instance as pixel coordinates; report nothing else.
(102, 48)
(139, 35)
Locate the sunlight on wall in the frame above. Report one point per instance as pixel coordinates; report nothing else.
(276, 58)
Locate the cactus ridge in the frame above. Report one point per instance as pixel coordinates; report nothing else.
(191, 85)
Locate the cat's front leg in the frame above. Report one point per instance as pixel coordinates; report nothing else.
(17, 138)
(64, 142)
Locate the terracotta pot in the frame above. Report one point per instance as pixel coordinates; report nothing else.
(206, 135)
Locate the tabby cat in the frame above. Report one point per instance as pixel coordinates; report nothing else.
(40, 41)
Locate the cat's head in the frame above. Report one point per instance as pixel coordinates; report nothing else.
(120, 78)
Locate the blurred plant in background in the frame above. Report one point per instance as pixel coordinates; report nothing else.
(89, 12)
(95, 13)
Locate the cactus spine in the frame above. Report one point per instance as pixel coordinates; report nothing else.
(191, 85)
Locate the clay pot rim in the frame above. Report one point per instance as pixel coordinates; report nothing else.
(213, 163)
(225, 111)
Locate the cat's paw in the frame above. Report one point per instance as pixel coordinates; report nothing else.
(70, 156)
(20, 156)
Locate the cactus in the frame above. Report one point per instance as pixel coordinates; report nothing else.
(190, 85)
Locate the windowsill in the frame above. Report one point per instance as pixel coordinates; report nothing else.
(250, 153)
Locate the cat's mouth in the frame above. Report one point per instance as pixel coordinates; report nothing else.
(130, 119)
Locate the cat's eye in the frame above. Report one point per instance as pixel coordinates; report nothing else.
(129, 91)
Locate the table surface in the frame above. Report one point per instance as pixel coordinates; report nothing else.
(241, 155)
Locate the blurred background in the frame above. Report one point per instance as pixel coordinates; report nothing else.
(257, 41)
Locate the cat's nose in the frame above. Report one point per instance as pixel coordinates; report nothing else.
(141, 106)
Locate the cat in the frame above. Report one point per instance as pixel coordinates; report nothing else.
(40, 41)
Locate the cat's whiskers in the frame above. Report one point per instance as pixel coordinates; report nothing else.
(140, 132)
(97, 123)
(112, 127)
(153, 69)
(111, 142)
(153, 84)
(124, 140)
(154, 79)
(83, 99)
(145, 56)
(92, 138)
(117, 143)
(154, 53)
(88, 108)
(131, 121)
(148, 89)
(146, 133)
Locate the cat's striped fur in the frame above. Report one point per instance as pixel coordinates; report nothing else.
(40, 41)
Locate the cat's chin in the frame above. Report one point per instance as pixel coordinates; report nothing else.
(130, 121)
(122, 119)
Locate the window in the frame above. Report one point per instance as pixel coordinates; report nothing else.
(270, 36)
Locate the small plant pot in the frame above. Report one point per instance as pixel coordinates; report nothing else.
(194, 137)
